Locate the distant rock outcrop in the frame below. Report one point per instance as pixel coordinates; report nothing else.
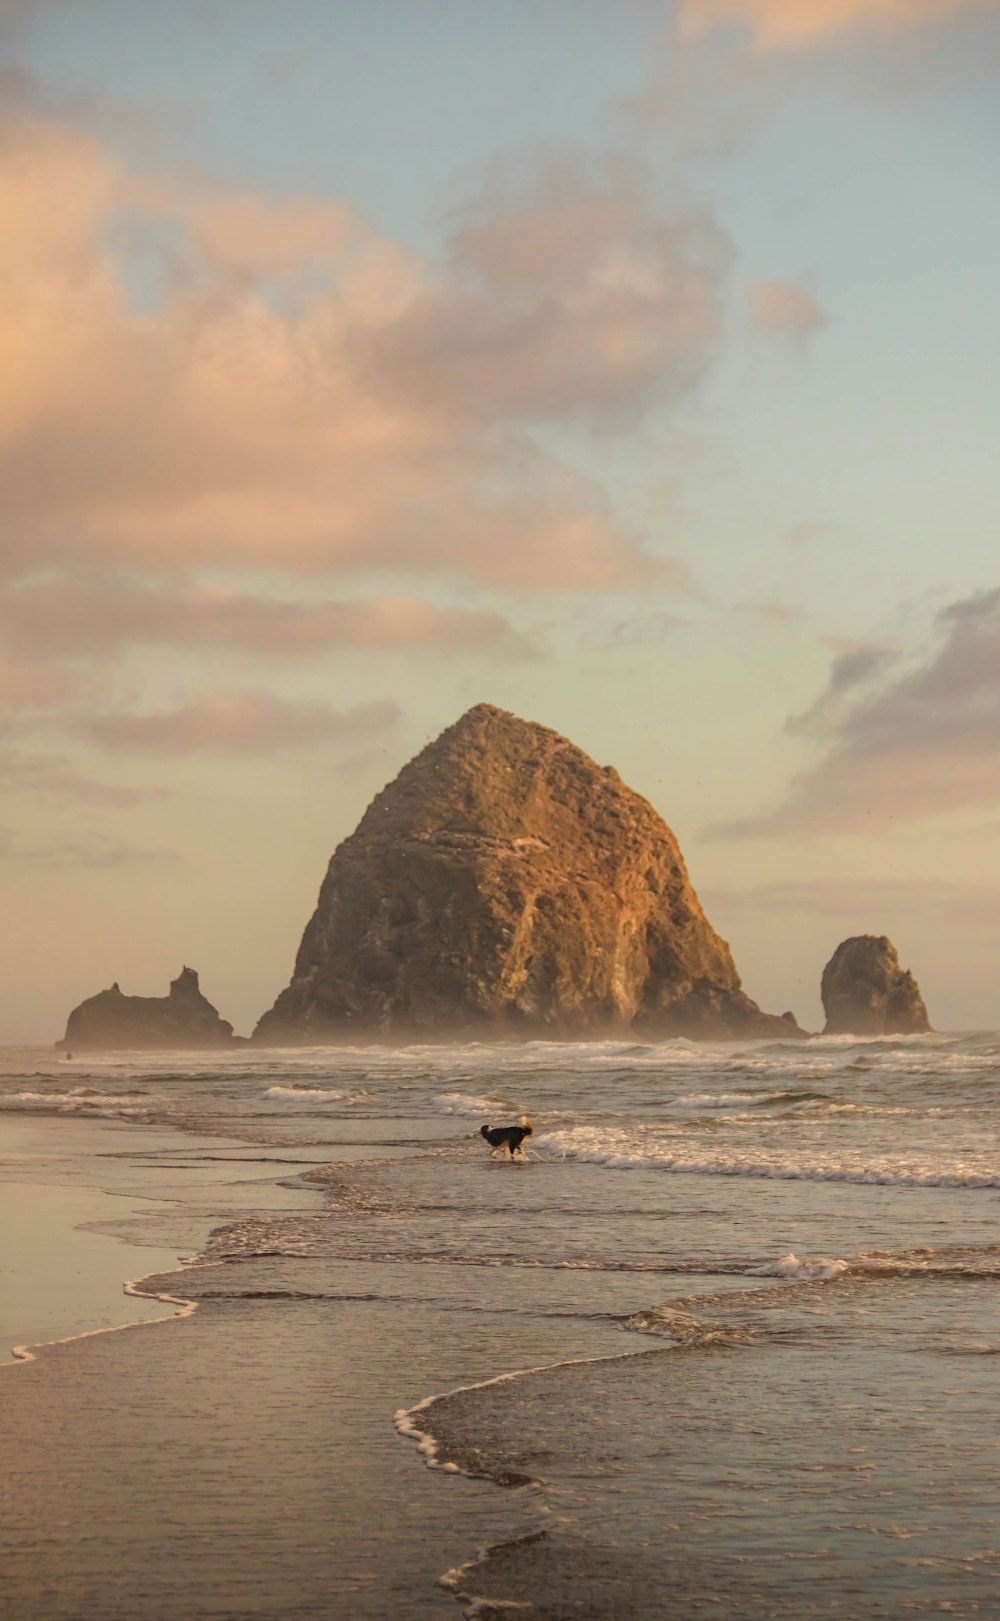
(184, 1019)
(866, 993)
(505, 885)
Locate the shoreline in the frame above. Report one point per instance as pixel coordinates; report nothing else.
(85, 1152)
(47, 1155)
(166, 1412)
(246, 1459)
(76, 1224)
(130, 1290)
(64, 1277)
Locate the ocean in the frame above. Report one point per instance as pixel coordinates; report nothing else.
(727, 1342)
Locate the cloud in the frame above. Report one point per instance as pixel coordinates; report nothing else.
(642, 630)
(569, 297)
(248, 234)
(45, 775)
(74, 613)
(771, 608)
(27, 683)
(794, 23)
(854, 667)
(784, 308)
(904, 741)
(234, 723)
(198, 377)
(863, 902)
(807, 531)
(91, 850)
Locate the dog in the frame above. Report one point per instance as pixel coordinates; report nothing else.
(507, 1139)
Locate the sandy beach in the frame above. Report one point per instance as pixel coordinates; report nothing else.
(721, 1344)
(83, 1207)
(238, 1458)
(59, 1276)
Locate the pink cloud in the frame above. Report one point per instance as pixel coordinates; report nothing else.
(791, 23)
(785, 308)
(309, 395)
(771, 608)
(42, 774)
(569, 298)
(807, 532)
(76, 613)
(97, 851)
(27, 683)
(235, 723)
(248, 234)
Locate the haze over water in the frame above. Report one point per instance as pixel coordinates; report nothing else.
(753, 1287)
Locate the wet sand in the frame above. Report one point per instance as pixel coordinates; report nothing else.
(88, 1204)
(58, 1276)
(807, 1440)
(242, 1460)
(238, 1462)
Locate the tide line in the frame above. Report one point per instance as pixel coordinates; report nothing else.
(131, 1286)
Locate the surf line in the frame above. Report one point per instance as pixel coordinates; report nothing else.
(404, 1420)
(131, 1286)
(455, 1580)
(477, 1604)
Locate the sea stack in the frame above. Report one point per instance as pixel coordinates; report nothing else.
(506, 886)
(184, 1019)
(866, 993)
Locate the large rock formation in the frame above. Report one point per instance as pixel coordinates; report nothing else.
(866, 993)
(185, 1019)
(505, 885)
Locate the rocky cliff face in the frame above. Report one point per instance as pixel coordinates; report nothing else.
(185, 1019)
(507, 885)
(866, 993)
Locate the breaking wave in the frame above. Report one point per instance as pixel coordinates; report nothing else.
(808, 1269)
(632, 1149)
(307, 1094)
(461, 1103)
(698, 1102)
(81, 1100)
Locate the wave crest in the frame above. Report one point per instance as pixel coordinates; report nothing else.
(808, 1269)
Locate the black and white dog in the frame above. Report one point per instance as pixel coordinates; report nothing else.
(507, 1139)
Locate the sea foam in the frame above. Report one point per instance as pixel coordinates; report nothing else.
(461, 1103)
(306, 1094)
(80, 1101)
(698, 1102)
(808, 1269)
(633, 1149)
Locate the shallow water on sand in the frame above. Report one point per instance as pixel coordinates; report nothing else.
(748, 1297)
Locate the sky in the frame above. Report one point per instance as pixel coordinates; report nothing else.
(632, 366)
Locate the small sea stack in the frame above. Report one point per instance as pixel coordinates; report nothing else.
(506, 886)
(866, 993)
(185, 1019)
